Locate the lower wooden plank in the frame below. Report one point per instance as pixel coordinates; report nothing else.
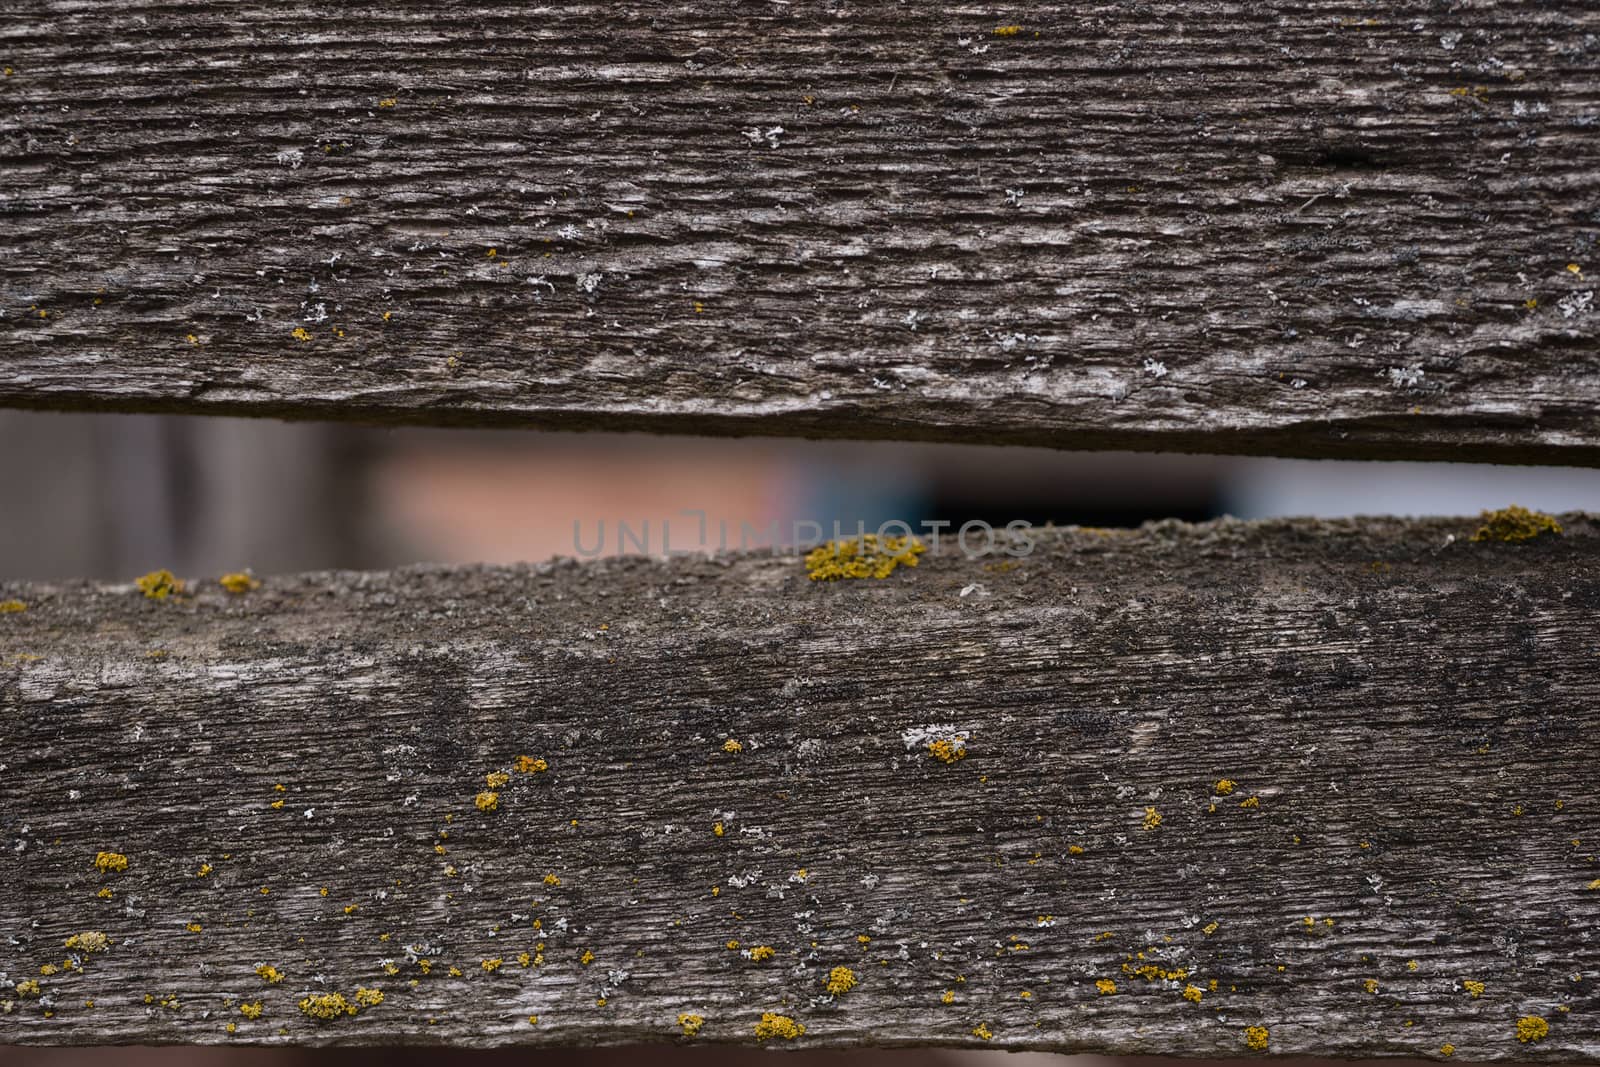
(1290, 787)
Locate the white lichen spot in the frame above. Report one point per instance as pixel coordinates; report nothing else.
(588, 283)
(1575, 304)
(1155, 369)
(291, 158)
(770, 136)
(1406, 377)
(1014, 196)
(918, 738)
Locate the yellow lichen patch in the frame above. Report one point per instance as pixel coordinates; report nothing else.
(1210, 928)
(1193, 993)
(731, 746)
(496, 779)
(862, 557)
(524, 959)
(193, 928)
(1256, 1037)
(1152, 818)
(691, 1023)
(300, 333)
(1074, 850)
(387, 102)
(552, 879)
(1594, 884)
(1225, 786)
(326, 1005)
(1447, 1049)
(587, 958)
(88, 941)
(205, 869)
(840, 981)
(487, 801)
(269, 973)
(531, 765)
(158, 585)
(1531, 1028)
(28, 987)
(1106, 987)
(982, 1030)
(1515, 524)
(772, 1025)
(1007, 31)
(759, 953)
(718, 829)
(492, 965)
(105, 893)
(110, 862)
(1370, 985)
(12, 607)
(947, 997)
(947, 749)
(1250, 802)
(369, 998)
(1151, 972)
(238, 582)
(251, 1010)
(1473, 987)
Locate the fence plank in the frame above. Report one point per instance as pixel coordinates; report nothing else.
(1241, 227)
(1316, 777)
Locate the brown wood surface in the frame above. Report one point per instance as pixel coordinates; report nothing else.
(1407, 719)
(1301, 228)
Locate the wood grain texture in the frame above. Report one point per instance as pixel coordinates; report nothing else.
(1310, 229)
(1405, 719)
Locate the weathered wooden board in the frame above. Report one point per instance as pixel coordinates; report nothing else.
(1405, 720)
(1303, 228)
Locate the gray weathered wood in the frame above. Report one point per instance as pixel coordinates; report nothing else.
(1302, 228)
(1408, 718)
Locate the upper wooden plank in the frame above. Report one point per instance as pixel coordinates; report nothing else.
(1332, 780)
(1290, 227)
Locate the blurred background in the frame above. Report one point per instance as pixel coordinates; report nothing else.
(115, 496)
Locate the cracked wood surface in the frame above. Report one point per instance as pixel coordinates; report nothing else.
(1320, 778)
(1310, 229)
